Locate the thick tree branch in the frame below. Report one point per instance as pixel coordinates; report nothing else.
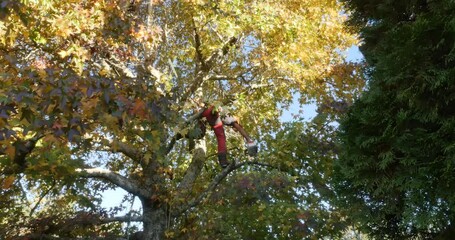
(125, 218)
(222, 77)
(96, 219)
(80, 220)
(215, 182)
(117, 179)
(221, 52)
(177, 136)
(21, 149)
(127, 150)
(201, 76)
(193, 170)
(38, 236)
(197, 46)
(117, 64)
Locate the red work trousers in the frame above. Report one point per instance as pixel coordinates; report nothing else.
(213, 118)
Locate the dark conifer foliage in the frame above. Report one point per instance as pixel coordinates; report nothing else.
(395, 174)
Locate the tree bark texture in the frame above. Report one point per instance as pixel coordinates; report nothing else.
(154, 220)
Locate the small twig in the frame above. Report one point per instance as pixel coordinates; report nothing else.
(41, 198)
(215, 182)
(174, 139)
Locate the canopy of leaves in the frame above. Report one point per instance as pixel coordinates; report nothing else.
(396, 171)
(291, 199)
(112, 84)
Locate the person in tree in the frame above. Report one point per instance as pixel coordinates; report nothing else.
(217, 121)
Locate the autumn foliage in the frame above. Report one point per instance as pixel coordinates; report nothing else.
(93, 94)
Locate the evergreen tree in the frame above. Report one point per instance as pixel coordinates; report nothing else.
(395, 175)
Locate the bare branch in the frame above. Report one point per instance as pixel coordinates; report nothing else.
(209, 62)
(176, 137)
(95, 219)
(221, 77)
(197, 46)
(81, 220)
(125, 218)
(193, 170)
(215, 182)
(117, 179)
(254, 163)
(258, 86)
(126, 149)
(217, 77)
(21, 149)
(38, 236)
(221, 52)
(118, 65)
(44, 194)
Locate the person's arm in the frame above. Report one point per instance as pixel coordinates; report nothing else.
(242, 131)
(250, 144)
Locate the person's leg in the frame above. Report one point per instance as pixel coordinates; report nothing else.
(214, 120)
(222, 148)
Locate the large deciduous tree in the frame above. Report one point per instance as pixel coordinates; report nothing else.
(95, 94)
(396, 171)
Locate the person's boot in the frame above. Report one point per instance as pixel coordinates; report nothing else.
(222, 159)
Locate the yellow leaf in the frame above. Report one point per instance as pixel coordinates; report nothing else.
(104, 72)
(147, 158)
(64, 53)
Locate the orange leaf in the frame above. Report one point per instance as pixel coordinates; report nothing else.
(7, 182)
(10, 151)
(138, 108)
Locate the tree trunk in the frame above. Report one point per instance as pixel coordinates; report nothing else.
(153, 206)
(154, 220)
(193, 171)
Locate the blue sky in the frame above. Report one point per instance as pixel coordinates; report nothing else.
(353, 54)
